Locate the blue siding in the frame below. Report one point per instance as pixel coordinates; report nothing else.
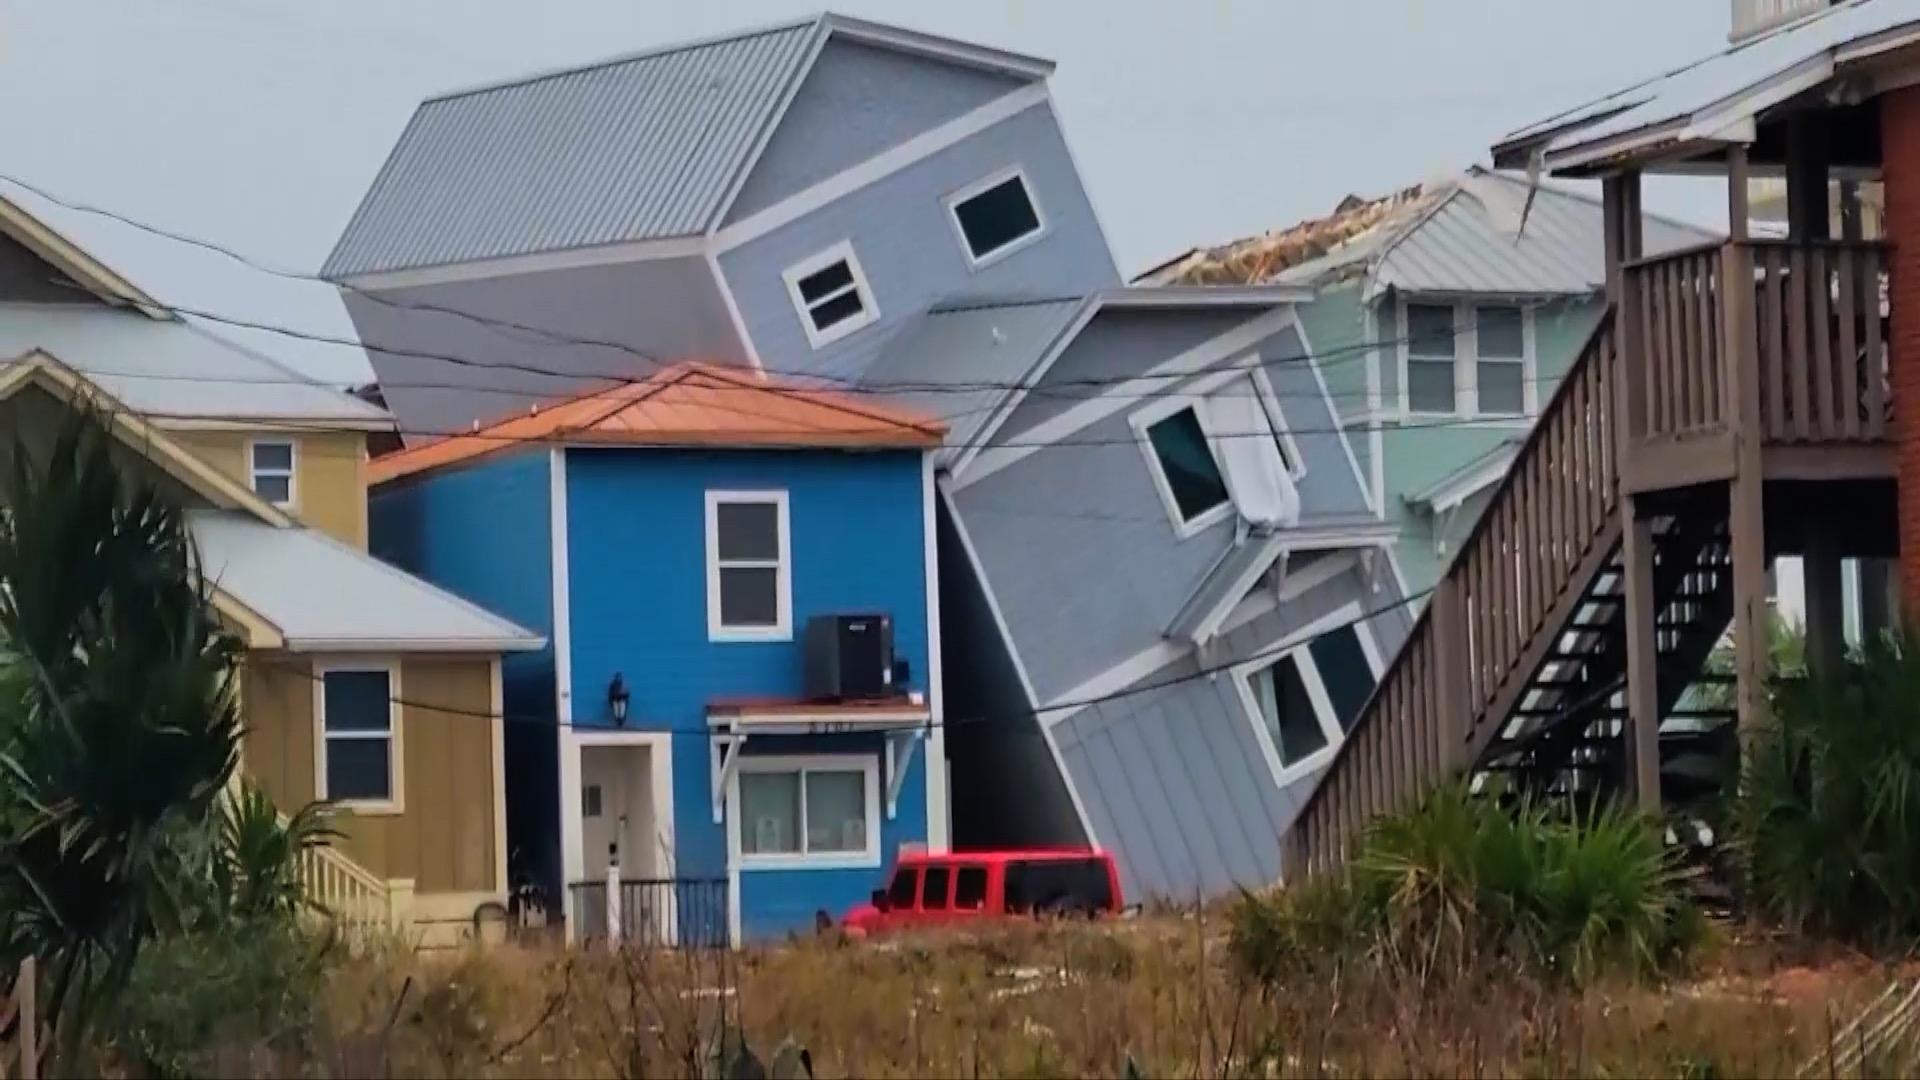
(905, 242)
(483, 533)
(637, 562)
(857, 101)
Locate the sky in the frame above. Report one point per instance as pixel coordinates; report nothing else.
(257, 124)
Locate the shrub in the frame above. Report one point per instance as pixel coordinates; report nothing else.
(240, 1001)
(1460, 880)
(1826, 823)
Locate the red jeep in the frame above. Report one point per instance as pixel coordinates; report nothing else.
(960, 887)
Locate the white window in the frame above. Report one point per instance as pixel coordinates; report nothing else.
(271, 465)
(1468, 359)
(357, 724)
(996, 216)
(749, 570)
(1221, 431)
(807, 811)
(1431, 352)
(1303, 700)
(830, 294)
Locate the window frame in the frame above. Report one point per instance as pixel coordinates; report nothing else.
(953, 199)
(813, 264)
(1467, 359)
(1195, 395)
(867, 765)
(717, 630)
(1298, 648)
(292, 473)
(1144, 419)
(395, 802)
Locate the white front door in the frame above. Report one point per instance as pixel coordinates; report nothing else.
(616, 810)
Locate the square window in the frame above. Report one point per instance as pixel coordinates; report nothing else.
(970, 888)
(1430, 330)
(996, 216)
(1501, 332)
(1187, 465)
(904, 887)
(836, 811)
(1503, 387)
(357, 722)
(1286, 708)
(770, 813)
(793, 810)
(831, 295)
(1430, 385)
(270, 466)
(749, 587)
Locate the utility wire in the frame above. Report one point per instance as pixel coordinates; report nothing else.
(846, 385)
(1039, 713)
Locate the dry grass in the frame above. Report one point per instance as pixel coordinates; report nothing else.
(1064, 1000)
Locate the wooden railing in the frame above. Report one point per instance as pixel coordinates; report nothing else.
(1548, 528)
(1817, 351)
(345, 889)
(1821, 354)
(1676, 351)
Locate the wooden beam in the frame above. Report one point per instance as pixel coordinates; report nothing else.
(1643, 659)
(1746, 497)
(1739, 191)
(1826, 622)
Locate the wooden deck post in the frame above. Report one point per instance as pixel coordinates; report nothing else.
(1643, 657)
(1746, 504)
(1826, 622)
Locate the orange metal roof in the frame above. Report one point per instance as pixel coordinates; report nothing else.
(689, 404)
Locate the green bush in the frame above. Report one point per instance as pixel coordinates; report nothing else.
(1460, 880)
(1826, 822)
(245, 1000)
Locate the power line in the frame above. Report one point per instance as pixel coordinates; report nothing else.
(1038, 713)
(574, 340)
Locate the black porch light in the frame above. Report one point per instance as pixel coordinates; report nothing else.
(617, 698)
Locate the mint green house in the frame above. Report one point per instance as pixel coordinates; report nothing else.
(1444, 316)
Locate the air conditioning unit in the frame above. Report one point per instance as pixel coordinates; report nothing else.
(849, 657)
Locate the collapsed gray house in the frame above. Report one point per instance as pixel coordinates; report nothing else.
(1165, 593)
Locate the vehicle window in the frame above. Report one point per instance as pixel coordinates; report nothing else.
(906, 881)
(1057, 885)
(933, 894)
(970, 888)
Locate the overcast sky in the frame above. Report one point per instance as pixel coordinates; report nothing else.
(258, 123)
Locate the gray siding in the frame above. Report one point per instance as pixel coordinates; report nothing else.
(993, 742)
(857, 101)
(1173, 776)
(668, 309)
(1117, 344)
(1081, 553)
(905, 242)
(25, 276)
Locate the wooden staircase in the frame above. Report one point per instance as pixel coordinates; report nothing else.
(1643, 477)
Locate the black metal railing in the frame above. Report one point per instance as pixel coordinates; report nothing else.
(655, 913)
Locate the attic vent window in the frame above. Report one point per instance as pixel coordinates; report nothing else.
(996, 216)
(830, 294)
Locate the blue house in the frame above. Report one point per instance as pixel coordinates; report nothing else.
(695, 546)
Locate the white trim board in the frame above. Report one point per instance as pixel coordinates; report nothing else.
(630, 251)
(572, 864)
(939, 804)
(734, 315)
(876, 168)
(986, 460)
(1162, 654)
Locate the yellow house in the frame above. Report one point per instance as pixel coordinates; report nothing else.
(363, 686)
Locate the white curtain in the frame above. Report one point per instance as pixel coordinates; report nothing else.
(1256, 474)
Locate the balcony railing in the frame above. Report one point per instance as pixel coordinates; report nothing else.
(655, 913)
(1815, 342)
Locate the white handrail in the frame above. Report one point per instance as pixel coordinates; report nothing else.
(344, 888)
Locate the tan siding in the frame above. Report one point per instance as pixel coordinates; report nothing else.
(329, 487)
(444, 838)
(37, 418)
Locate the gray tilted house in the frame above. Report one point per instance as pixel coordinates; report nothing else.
(1165, 591)
(1144, 503)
